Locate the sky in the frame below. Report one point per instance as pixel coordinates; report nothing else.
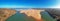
(29, 3)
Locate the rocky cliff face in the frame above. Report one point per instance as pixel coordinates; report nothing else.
(54, 13)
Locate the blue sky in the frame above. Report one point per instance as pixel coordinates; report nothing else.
(27, 3)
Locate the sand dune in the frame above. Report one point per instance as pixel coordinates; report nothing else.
(5, 13)
(32, 12)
